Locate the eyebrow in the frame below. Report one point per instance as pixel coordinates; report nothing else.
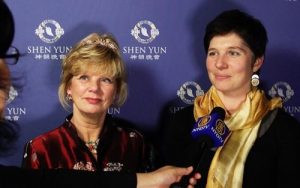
(232, 48)
(238, 48)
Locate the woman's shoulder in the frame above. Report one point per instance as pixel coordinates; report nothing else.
(187, 110)
(281, 123)
(56, 132)
(186, 114)
(126, 127)
(284, 117)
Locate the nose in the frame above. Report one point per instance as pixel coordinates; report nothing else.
(221, 62)
(94, 86)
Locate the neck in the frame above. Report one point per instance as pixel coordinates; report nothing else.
(88, 127)
(232, 103)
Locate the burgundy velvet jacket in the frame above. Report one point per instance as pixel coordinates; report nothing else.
(120, 149)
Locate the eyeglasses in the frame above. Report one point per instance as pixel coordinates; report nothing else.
(12, 55)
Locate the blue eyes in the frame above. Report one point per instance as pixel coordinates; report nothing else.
(83, 77)
(103, 79)
(107, 80)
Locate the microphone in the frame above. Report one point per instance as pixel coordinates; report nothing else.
(210, 132)
(211, 128)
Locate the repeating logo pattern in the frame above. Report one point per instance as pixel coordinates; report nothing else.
(49, 31)
(285, 92)
(13, 113)
(282, 90)
(189, 91)
(144, 32)
(13, 93)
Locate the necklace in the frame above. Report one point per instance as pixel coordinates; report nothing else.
(92, 145)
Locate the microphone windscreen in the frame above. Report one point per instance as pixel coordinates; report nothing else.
(219, 111)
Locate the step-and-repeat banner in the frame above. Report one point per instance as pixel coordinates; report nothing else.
(161, 43)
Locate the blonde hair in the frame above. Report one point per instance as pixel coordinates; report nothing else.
(102, 53)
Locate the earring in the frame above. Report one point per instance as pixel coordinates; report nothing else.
(255, 80)
(69, 97)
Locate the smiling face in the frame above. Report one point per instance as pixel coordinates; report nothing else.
(230, 64)
(95, 59)
(92, 92)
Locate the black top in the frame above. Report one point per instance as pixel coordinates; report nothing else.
(273, 161)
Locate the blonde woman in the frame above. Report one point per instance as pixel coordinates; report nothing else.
(16, 177)
(93, 79)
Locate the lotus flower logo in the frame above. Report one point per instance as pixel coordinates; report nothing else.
(49, 31)
(145, 31)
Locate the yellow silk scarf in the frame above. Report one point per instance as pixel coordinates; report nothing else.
(227, 166)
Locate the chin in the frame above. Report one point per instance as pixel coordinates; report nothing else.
(94, 112)
(222, 88)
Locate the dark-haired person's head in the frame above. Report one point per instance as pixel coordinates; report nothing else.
(6, 28)
(6, 37)
(250, 29)
(8, 129)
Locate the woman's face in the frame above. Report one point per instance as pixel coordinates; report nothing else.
(92, 93)
(230, 64)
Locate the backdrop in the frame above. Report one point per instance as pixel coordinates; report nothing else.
(162, 47)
